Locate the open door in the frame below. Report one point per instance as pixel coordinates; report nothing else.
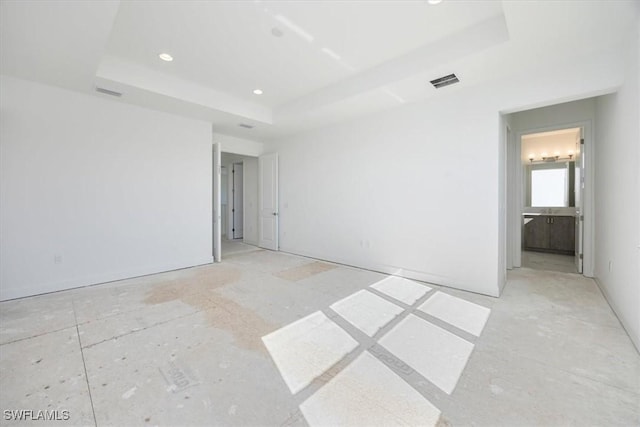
(579, 195)
(268, 201)
(217, 205)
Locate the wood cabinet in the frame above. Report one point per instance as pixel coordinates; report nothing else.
(548, 233)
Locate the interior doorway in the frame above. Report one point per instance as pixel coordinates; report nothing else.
(552, 177)
(549, 199)
(247, 219)
(238, 203)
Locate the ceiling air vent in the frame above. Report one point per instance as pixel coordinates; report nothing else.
(246, 126)
(445, 81)
(108, 92)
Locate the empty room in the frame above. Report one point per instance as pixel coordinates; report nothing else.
(320, 213)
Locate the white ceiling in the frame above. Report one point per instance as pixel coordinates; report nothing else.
(333, 60)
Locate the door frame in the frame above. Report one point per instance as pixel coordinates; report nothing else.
(515, 196)
(217, 202)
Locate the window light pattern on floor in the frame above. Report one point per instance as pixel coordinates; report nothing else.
(366, 391)
(458, 312)
(404, 290)
(352, 398)
(305, 349)
(366, 311)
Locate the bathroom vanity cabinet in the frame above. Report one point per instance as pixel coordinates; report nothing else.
(550, 233)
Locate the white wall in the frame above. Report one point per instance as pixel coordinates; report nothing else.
(554, 115)
(235, 145)
(394, 192)
(617, 170)
(419, 191)
(115, 190)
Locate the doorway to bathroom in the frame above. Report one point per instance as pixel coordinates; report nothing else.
(552, 186)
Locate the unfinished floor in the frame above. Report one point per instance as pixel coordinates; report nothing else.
(549, 262)
(271, 339)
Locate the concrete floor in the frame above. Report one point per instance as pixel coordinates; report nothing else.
(231, 247)
(549, 262)
(213, 345)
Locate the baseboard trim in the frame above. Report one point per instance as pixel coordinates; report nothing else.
(393, 271)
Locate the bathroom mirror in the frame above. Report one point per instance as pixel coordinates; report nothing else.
(550, 184)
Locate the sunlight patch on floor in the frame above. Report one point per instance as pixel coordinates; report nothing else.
(404, 290)
(366, 311)
(456, 311)
(367, 393)
(305, 349)
(437, 354)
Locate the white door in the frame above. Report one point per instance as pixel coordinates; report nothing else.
(579, 190)
(217, 208)
(268, 202)
(237, 211)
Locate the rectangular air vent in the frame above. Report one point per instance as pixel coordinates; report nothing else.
(244, 125)
(108, 92)
(445, 81)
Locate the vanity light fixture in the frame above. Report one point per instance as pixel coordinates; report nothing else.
(550, 159)
(165, 57)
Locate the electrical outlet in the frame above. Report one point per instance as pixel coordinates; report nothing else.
(610, 266)
(57, 259)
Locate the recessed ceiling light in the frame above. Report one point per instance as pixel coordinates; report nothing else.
(165, 57)
(257, 92)
(434, 2)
